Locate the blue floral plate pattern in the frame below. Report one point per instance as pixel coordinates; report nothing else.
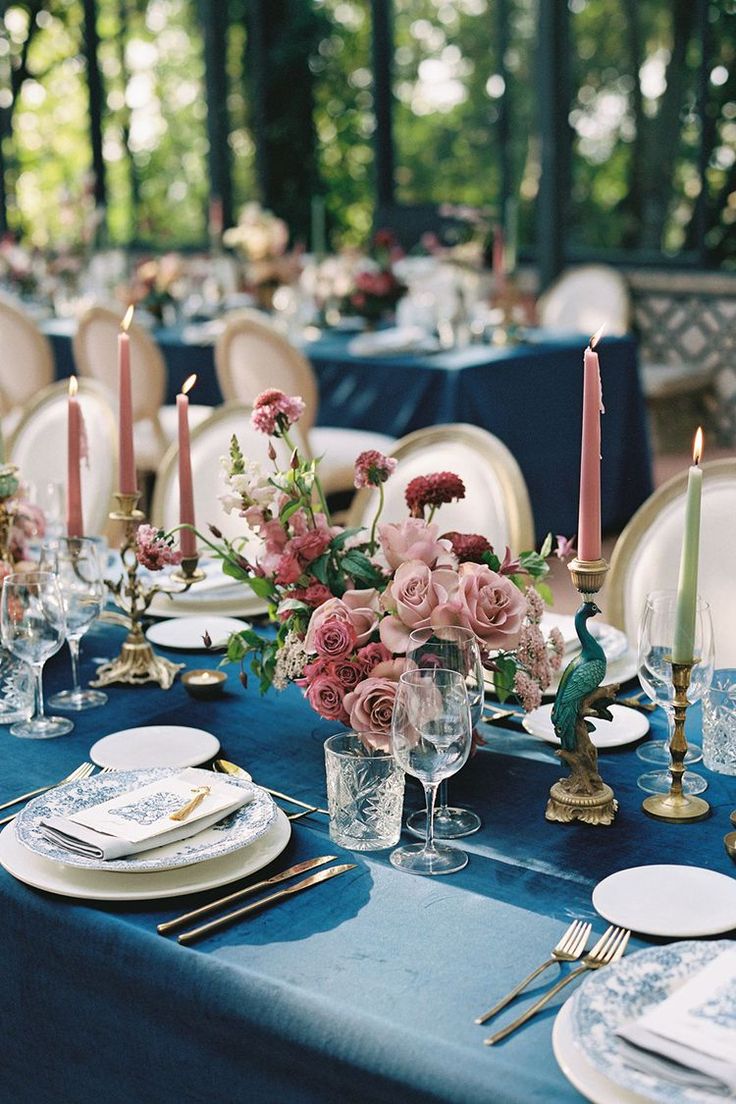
(619, 994)
(235, 831)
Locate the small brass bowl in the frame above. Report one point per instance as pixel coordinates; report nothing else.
(204, 684)
(729, 842)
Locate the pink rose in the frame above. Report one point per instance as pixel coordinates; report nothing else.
(414, 539)
(371, 704)
(310, 545)
(358, 608)
(325, 695)
(372, 654)
(288, 569)
(348, 672)
(487, 603)
(411, 597)
(333, 638)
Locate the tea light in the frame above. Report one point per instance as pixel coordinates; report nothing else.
(204, 683)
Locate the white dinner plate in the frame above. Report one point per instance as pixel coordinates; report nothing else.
(187, 633)
(616, 996)
(97, 885)
(627, 726)
(238, 601)
(619, 670)
(589, 1081)
(669, 901)
(154, 746)
(232, 833)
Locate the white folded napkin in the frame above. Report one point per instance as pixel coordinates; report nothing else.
(690, 1038)
(141, 819)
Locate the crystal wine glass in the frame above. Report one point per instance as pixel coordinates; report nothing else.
(455, 648)
(430, 739)
(33, 628)
(75, 563)
(656, 636)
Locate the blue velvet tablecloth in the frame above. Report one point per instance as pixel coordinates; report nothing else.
(363, 990)
(529, 395)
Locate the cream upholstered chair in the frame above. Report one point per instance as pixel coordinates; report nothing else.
(647, 555)
(582, 299)
(39, 446)
(26, 364)
(251, 356)
(95, 354)
(496, 502)
(210, 440)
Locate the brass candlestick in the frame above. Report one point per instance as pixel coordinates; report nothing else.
(677, 807)
(583, 795)
(189, 572)
(137, 662)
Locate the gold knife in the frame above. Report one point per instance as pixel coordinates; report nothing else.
(239, 894)
(231, 917)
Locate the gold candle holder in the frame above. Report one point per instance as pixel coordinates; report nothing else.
(137, 662)
(583, 795)
(188, 572)
(677, 807)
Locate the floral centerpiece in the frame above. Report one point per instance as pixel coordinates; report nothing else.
(262, 239)
(156, 284)
(346, 600)
(376, 287)
(20, 522)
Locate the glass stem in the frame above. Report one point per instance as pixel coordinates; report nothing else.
(430, 794)
(442, 798)
(73, 643)
(38, 675)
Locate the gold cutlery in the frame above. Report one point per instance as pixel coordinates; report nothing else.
(568, 949)
(609, 949)
(225, 767)
(265, 902)
(635, 702)
(84, 770)
(239, 894)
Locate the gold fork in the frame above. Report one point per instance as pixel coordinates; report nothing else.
(568, 949)
(609, 949)
(84, 770)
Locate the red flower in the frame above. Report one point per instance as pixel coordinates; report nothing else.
(433, 490)
(468, 547)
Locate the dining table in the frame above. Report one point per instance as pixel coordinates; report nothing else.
(363, 989)
(527, 393)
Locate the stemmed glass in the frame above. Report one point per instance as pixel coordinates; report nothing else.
(656, 636)
(50, 497)
(454, 648)
(33, 629)
(430, 739)
(75, 563)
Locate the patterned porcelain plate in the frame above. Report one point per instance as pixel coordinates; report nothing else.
(621, 993)
(238, 830)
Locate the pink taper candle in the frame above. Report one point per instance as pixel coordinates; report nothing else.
(126, 457)
(74, 518)
(187, 539)
(589, 519)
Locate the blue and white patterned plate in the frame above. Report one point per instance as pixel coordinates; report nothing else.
(238, 830)
(619, 994)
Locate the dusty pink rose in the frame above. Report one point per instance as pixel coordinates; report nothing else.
(411, 598)
(370, 706)
(372, 654)
(325, 695)
(334, 638)
(488, 603)
(288, 568)
(357, 607)
(414, 539)
(348, 672)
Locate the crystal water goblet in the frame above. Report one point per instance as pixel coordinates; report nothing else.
(33, 629)
(656, 636)
(431, 734)
(76, 564)
(454, 648)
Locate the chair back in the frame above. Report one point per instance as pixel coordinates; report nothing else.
(496, 502)
(210, 441)
(27, 362)
(96, 357)
(39, 447)
(583, 299)
(251, 356)
(647, 555)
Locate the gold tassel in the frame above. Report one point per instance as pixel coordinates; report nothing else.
(188, 809)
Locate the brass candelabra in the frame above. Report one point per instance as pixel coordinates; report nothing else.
(138, 663)
(677, 807)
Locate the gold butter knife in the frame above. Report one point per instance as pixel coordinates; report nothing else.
(265, 902)
(239, 894)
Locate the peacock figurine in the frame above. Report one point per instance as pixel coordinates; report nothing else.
(582, 676)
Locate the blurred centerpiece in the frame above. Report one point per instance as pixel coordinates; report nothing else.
(376, 288)
(262, 241)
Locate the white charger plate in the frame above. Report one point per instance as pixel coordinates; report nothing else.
(589, 1081)
(154, 746)
(675, 902)
(187, 633)
(96, 885)
(610, 998)
(627, 726)
(232, 833)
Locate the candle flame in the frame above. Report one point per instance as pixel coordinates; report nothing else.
(698, 446)
(73, 386)
(189, 383)
(597, 336)
(127, 319)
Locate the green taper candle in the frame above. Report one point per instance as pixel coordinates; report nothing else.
(687, 585)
